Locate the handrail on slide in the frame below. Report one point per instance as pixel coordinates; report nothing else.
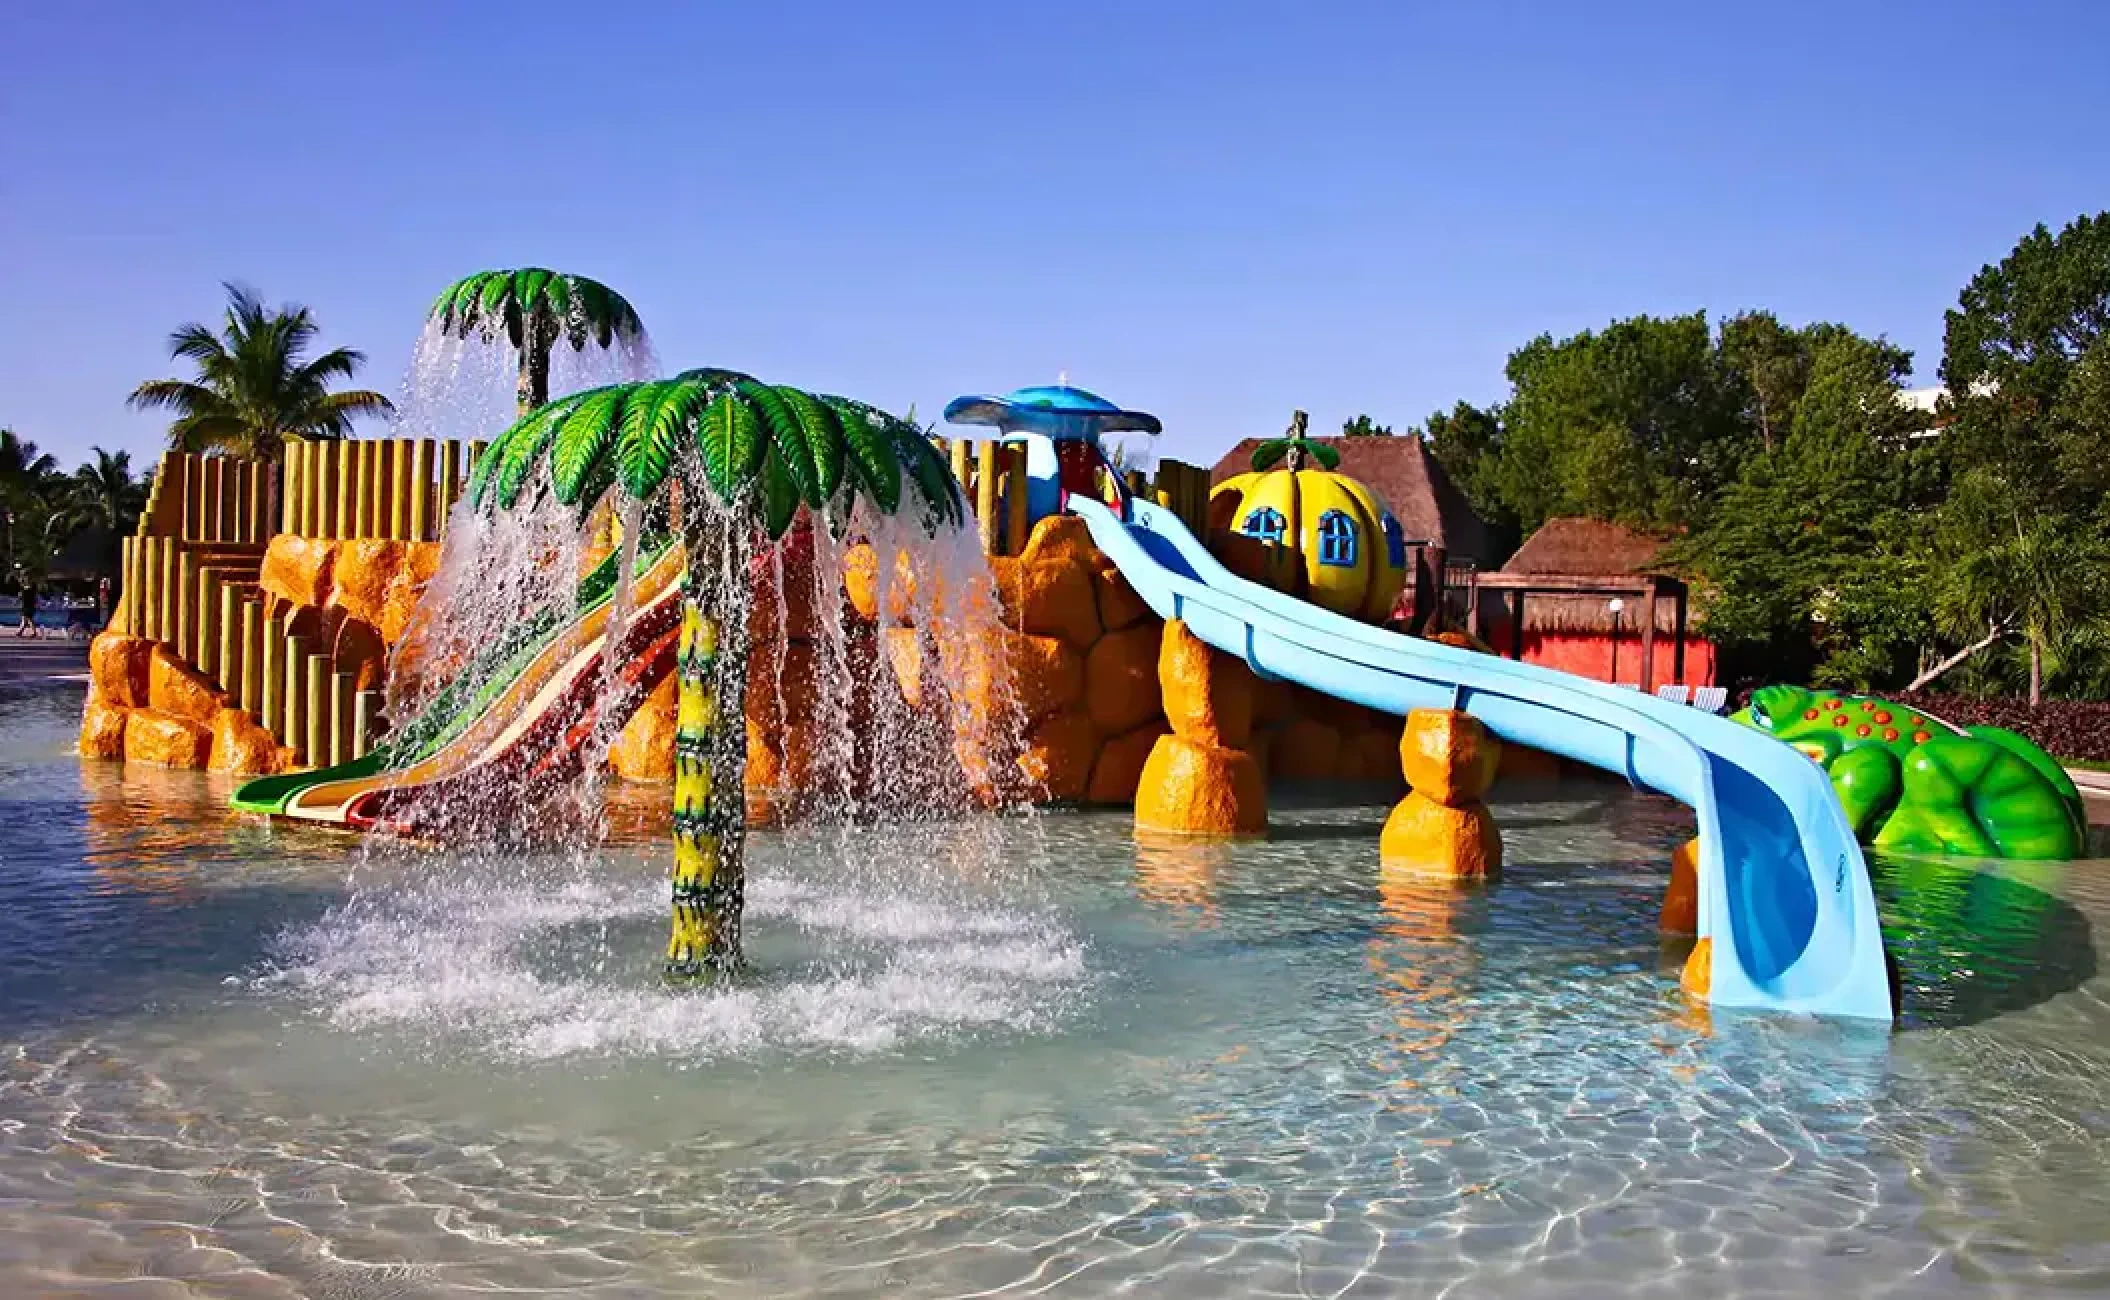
(1784, 891)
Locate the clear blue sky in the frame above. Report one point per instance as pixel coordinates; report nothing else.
(1213, 211)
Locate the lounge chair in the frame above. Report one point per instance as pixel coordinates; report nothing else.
(1711, 699)
(1675, 693)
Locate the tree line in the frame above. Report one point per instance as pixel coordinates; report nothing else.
(254, 387)
(1832, 531)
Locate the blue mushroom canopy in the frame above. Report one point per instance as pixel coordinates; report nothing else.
(1058, 412)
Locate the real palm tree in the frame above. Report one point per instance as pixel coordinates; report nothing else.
(26, 479)
(256, 386)
(534, 308)
(103, 494)
(24, 471)
(762, 453)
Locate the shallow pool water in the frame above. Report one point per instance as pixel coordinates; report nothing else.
(1006, 1056)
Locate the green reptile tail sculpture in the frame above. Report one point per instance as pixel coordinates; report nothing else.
(1912, 783)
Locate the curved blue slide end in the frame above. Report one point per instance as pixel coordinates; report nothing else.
(1784, 892)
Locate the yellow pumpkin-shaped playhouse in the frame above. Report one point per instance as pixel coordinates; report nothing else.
(1350, 548)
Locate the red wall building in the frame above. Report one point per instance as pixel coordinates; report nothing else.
(1581, 632)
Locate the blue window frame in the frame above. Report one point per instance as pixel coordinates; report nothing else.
(1266, 523)
(1395, 541)
(1337, 540)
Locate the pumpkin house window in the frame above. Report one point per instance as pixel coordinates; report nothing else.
(1266, 523)
(1395, 541)
(1337, 540)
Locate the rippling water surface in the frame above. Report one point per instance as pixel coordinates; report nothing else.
(1001, 1057)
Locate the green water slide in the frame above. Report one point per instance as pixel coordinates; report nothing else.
(462, 702)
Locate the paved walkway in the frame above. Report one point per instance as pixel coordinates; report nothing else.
(2095, 794)
(31, 659)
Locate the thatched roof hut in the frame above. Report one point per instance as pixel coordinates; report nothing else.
(1589, 548)
(1429, 507)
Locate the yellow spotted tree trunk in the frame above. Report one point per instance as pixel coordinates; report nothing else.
(710, 779)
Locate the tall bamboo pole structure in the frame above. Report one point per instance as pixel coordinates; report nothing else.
(988, 478)
(366, 455)
(194, 499)
(289, 495)
(317, 712)
(250, 694)
(421, 490)
(271, 676)
(329, 461)
(318, 488)
(347, 523)
(186, 618)
(305, 511)
(291, 728)
(206, 499)
(959, 452)
(232, 646)
(205, 630)
(1015, 499)
(450, 481)
(226, 506)
(364, 709)
(399, 492)
(259, 501)
(340, 718)
(295, 471)
(127, 602)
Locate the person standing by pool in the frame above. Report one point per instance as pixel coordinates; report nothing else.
(29, 611)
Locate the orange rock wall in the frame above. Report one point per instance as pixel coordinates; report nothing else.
(354, 598)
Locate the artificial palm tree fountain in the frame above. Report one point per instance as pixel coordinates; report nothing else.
(732, 461)
(535, 309)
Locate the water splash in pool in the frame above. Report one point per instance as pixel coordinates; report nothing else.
(560, 961)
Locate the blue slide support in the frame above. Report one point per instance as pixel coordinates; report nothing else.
(1784, 891)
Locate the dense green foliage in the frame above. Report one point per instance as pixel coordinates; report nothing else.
(43, 509)
(1362, 426)
(1831, 530)
(255, 385)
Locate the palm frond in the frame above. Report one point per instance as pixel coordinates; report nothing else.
(780, 495)
(644, 445)
(870, 451)
(781, 425)
(761, 447)
(824, 438)
(534, 435)
(729, 436)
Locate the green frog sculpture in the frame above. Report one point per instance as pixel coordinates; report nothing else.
(1912, 783)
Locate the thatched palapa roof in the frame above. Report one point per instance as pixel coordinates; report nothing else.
(1587, 548)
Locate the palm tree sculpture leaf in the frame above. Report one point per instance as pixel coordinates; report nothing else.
(255, 386)
(762, 452)
(533, 308)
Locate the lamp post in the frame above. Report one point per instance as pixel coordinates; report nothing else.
(1617, 606)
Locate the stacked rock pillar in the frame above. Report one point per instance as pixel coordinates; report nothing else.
(1681, 901)
(1200, 780)
(1442, 829)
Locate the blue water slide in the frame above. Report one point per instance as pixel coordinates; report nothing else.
(1784, 892)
